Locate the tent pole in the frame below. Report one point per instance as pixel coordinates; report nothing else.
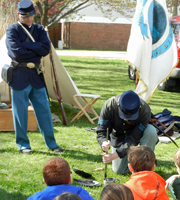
(57, 91)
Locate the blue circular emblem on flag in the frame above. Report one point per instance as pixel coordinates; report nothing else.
(157, 21)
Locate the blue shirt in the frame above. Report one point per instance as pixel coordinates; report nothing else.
(50, 192)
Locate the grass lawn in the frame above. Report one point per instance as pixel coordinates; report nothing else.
(21, 175)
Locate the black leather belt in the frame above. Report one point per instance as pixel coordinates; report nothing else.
(29, 65)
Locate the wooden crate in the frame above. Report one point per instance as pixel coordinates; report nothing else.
(6, 120)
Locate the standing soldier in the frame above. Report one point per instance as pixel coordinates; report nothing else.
(27, 83)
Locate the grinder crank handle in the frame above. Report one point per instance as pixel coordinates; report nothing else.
(105, 173)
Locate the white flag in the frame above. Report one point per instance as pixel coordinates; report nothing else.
(151, 47)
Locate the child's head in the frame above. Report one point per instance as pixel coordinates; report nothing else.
(57, 171)
(141, 158)
(116, 191)
(177, 160)
(67, 196)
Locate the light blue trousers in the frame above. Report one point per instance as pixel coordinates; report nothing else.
(20, 103)
(150, 139)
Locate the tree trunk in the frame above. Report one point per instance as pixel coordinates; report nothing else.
(174, 10)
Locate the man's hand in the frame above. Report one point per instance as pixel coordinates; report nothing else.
(107, 157)
(106, 146)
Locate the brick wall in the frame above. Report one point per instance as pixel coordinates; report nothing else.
(95, 36)
(55, 34)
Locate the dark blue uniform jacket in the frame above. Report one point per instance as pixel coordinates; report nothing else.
(23, 51)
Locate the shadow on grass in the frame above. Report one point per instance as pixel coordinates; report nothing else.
(161, 169)
(9, 150)
(13, 151)
(80, 156)
(74, 154)
(5, 195)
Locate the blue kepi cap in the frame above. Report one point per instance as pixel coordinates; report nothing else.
(129, 104)
(25, 8)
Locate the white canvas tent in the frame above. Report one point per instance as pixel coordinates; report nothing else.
(5, 59)
(69, 92)
(66, 84)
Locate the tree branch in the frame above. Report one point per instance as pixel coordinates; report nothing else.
(58, 17)
(38, 4)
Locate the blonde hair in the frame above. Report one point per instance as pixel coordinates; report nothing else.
(177, 158)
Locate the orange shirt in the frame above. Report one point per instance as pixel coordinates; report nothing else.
(147, 185)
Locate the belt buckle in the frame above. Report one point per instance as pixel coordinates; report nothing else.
(30, 65)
